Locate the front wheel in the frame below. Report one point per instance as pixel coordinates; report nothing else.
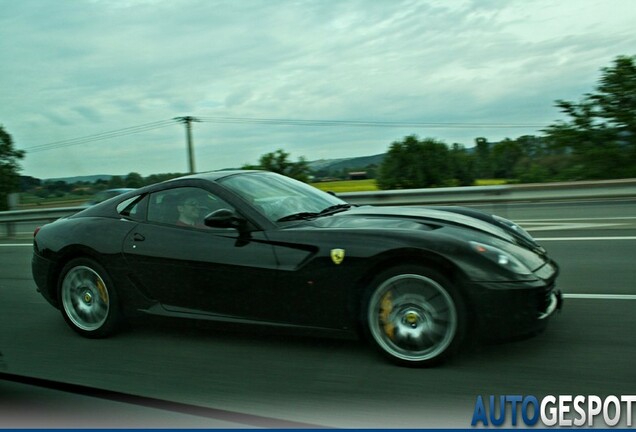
(414, 316)
(87, 299)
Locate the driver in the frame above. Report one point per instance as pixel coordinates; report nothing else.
(189, 210)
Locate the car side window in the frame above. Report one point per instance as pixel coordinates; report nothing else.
(185, 206)
(133, 208)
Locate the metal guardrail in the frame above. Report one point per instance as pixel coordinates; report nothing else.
(540, 192)
(44, 215)
(12, 217)
(606, 189)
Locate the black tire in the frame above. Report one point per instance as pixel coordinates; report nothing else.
(87, 298)
(414, 316)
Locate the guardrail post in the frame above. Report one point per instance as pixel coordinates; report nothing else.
(13, 200)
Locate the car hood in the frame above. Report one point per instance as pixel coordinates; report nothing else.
(408, 218)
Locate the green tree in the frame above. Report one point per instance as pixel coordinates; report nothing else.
(462, 166)
(599, 138)
(615, 98)
(116, 182)
(412, 163)
(28, 183)
(134, 180)
(532, 166)
(100, 185)
(279, 162)
(9, 167)
(483, 159)
(504, 157)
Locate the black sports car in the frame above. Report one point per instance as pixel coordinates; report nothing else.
(253, 246)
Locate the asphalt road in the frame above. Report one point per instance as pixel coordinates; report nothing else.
(254, 373)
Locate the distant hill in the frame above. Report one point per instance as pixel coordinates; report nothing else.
(333, 167)
(324, 163)
(330, 165)
(90, 178)
(357, 162)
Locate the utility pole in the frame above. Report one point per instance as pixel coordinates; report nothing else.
(187, 120)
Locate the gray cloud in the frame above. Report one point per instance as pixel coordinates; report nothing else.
(75, 68)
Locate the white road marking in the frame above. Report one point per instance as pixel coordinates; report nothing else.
(551, 226)
(543, 239)
(15, 244)
(576, 219)
(576, 223)
(600, 296)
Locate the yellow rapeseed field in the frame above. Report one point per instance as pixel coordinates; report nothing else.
(347, 185)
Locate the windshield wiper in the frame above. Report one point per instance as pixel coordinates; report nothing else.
(310, 215)
(335, 208)
(298, 216)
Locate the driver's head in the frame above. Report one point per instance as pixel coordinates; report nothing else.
(189, 209)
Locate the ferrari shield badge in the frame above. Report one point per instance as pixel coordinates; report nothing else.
(337, 255)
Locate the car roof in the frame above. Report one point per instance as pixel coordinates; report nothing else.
(217, 175)
(110, 207)
(120, 190)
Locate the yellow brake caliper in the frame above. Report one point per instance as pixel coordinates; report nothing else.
(102, 291)
(386, 306)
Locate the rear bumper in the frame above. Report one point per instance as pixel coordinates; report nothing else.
(41, 269)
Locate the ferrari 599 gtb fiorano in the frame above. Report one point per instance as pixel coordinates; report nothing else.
(257, 247)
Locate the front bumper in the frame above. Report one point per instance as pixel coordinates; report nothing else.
(555, 303)
(509, 311)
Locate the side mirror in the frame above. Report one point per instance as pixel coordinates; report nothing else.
(224, 218)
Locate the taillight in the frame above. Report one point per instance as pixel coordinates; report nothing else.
(37, 229)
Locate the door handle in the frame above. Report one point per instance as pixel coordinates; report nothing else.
(138, 237)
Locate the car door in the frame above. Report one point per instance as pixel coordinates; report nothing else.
(197, 268)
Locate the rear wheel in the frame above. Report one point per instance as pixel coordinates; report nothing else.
(414, 316)
(88, 299)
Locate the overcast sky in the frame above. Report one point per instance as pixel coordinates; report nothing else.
(459, 69)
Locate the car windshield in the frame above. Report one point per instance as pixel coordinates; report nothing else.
(282, 198)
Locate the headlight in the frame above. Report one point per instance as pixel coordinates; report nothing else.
(500, 257)
(513, 226)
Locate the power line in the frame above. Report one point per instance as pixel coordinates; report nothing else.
(362, 123)
(100, 136)
(270, 121)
